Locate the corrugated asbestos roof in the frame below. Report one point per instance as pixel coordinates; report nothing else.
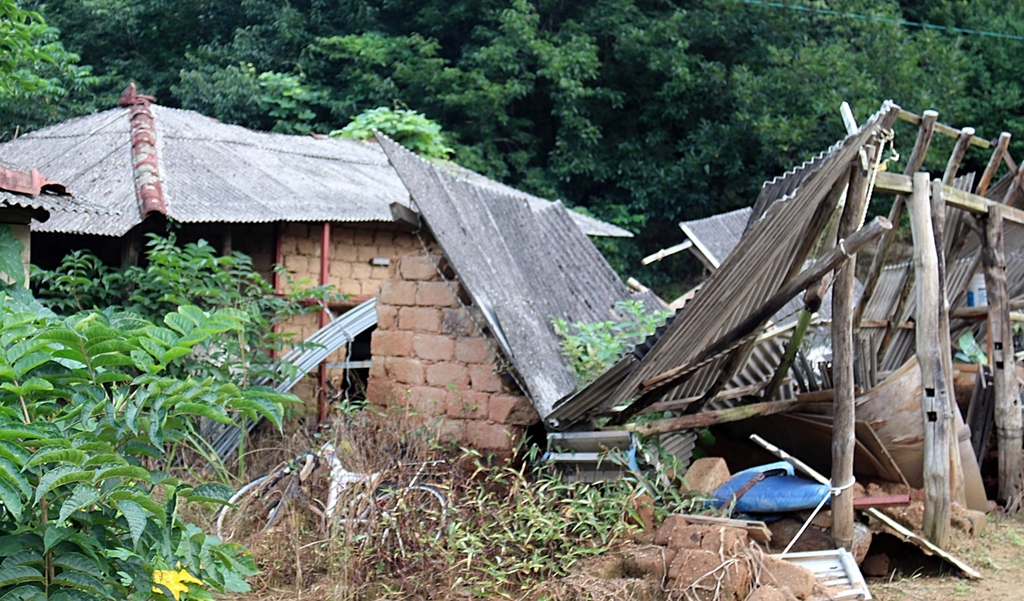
(787, 219)
(521, 266)
(716, 236)
(215, 172)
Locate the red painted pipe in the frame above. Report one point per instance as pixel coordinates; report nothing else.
(325, 247)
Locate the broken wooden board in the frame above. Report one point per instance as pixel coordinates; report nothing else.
(907, 535)
(757, 531)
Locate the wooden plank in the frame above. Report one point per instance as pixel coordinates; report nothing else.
(1008, 422)
(867, 436)
(993, 163)
(945, 130)
(981, 413)
(934, 401)
(895, 183)
(710, 418)
(882, 501)
(756, 530)
(665, 252)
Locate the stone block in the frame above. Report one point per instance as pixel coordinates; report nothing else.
(417, 267)
(456, 322)
(471, 350)
(705, 475)
(467, 404)
(668, 528)
(483, 379)
(435, 294)
(421, 319)
(483, 435)
(433, 347)
(406, 371)
(649, 560)
(786, 576)
(391, 343)
(398, 292)
(426, 401)
(513, 410)
(384, 393)
(350, 286)
(406, 240)
(688, 536)
(703, 575)
(978, 520)
(361, 271)
(379, 273)
(365, 254)
(362, 237)
(724, 540)
(344, 252)
(387, 317)
(448, 374)
(341, 234)
(377, 369)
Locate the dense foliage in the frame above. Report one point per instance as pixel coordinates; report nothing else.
(91, 421)
(192, 274)
(642, 112)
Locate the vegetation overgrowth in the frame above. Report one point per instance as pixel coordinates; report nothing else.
(92, 419)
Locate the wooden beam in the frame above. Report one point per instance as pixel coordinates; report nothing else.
(895, 183)
(1008, 420)
(710, 418)
(812, 274)
(945, 130)
(993, 163)
(957, 156)
(935, 399)
(665, 252)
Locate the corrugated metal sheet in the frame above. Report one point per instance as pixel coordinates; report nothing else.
(521, 267)
(716, 236)
(773, 249)
(215, 172)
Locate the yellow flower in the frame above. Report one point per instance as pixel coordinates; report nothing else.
(174, 580)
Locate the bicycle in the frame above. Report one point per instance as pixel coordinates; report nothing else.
(259, 505)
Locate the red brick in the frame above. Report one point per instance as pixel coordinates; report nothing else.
(417, 267)
(512, 410)
(435, 294)
(433, 347)
(426, 401)
(472, 350)
(398, 292)
(484, 435)
(383, 393)
(445, 374)
(391, 343)
(420, 319)
(450, 431)
(377, 368)
(483, 378)
(386, 316)
(407, 371)
(466, 404)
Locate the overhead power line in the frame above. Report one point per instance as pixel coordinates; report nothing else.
(836, 13)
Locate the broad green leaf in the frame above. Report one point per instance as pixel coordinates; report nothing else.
(162, 335)
(213, 492)
(112, 359)
(45, 455)
(55, 535)
(19, 575)
(108, 346)
(10, 247)
(108, 377)
(11, 499)
(95, 446)
(136, 517)
(24, 593)
(105, 459)
(145, 501)
(75, 595)
(11, 474)
(215, 414)
(152, 347)
(77, 562)
(83, 496)
(122, 471)
(20, 349)
(60, 476)
(65, 335)
(143, 360)
(259, 406)
(22, 558)
(29, 362)
(80, 581)
(193, 313)
(175, 352)
(26, 431)
(180, 323)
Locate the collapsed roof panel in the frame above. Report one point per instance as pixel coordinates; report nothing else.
(716, 236)
(521, 266)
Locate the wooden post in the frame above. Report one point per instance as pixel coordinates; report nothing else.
(993, 163)
(935, 396)
(1000, 332)
(939, 213)
(843, 437)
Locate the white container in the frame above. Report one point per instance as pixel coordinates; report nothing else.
(977, 296)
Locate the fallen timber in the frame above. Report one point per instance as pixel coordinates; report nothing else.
(710, 418)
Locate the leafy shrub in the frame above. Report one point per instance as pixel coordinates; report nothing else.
(192, 274)
(592, 348)
(90, 420)
(409, 128)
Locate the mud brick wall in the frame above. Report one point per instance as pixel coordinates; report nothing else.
(430, 358)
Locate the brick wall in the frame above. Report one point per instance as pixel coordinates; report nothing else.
(430, 358)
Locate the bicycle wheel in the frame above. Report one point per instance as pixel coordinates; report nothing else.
(255, 507)
(410, 516)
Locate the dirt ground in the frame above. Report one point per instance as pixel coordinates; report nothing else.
(998, 554)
